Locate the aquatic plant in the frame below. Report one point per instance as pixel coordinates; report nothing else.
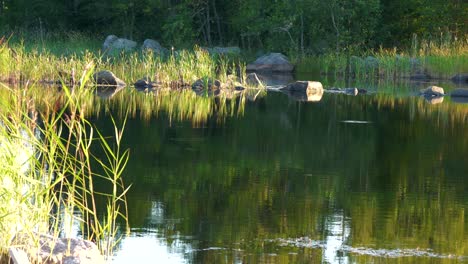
(49, 168)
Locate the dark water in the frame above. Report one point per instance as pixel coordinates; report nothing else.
(377, 178)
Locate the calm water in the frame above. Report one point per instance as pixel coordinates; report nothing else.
(376, 178)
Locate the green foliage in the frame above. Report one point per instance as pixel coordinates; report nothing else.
(308, 26)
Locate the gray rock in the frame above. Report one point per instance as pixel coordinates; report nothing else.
(113, 44)
(108, 42)
(153, 45)
(253, 80)
(459, 92)
(107, 78)
(273, 62)
(460, 78)
(47, 249)
(432, 91)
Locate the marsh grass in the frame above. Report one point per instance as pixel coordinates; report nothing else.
(47, 173)
(21, 63)
(440, 58)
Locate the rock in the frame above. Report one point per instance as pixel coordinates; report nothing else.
(143, 82)
(153, 45)
(273, 62)
(47, 249)
(107, 78)
(113, 43)
(108, 42)
(313, 91)
(201, 84)
(253, 80)
(225, 50)
(459, 93)
(460, 78)
(432, 91)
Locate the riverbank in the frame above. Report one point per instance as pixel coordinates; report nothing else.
(60, 57)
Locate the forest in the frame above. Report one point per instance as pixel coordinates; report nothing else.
(311, 27)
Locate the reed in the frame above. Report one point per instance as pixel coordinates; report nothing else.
(49, 170)
(440, 58)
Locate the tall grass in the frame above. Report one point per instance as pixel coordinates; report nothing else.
(23, 63)
(441, 57)
(48, 170)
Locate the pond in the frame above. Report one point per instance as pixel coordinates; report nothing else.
(379, 177)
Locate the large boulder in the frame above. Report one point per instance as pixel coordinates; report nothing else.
(459, 93)
(107, 78)
(313, 91)
(460, 78)
(273, 62)
(113, 43)
(432, 91)
(153, 45)
(47, 249)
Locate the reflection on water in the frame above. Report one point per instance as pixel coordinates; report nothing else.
(366, 179)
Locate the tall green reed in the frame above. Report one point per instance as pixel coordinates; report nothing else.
(50, 169)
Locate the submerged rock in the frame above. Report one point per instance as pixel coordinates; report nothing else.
(432, 91)
(460, 92)
(47, 249)
(274, 62)
(460, 78)
(107, 78)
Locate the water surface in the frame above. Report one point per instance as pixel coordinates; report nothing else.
(375, 178)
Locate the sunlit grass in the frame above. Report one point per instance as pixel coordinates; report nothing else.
(47, 172)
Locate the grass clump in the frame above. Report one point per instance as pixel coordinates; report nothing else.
(439, 58)
(48, 171)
